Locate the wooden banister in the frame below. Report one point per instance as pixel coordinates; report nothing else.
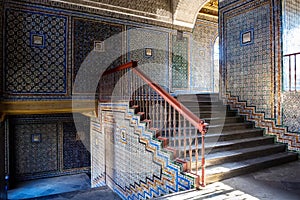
(128, 65)
(188, 116)
(191, 117)
(292, 54)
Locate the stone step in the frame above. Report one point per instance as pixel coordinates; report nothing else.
(216, 146)
(202, 114)
(231, 169)
(169, 131)
(217, 158)
(212, 107)
(214, 137)
(198, 97)
(188, 103)
(210, 121)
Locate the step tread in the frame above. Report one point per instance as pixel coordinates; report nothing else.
(232, 132)
(227, 143)
(227, 167)
(236, 152)
(215, 126)
(213, 118)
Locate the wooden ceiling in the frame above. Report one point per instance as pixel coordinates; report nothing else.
(210, 8)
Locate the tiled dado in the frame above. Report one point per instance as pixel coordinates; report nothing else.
(281, 133)
(135, 165)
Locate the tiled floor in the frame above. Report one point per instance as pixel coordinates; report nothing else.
(49, 186)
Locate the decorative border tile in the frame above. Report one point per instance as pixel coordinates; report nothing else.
(170, 178)
(281, 133)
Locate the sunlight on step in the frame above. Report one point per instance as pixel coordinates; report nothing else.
(216, 170)
(215, 191)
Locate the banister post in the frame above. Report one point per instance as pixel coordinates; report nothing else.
(203, 130)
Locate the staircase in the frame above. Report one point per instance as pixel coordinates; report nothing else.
(233, 146)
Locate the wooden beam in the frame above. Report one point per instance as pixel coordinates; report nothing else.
(47, 107)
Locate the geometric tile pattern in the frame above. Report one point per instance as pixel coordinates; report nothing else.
(35, 69)
(150, 171)
(281, 133)
(180, 62)
(86, 33)
(291, 112)
(75, 154)
(35, 157)
(97, 154)
(156, 66)
(248, 70)
(51, 155)
(202, 67)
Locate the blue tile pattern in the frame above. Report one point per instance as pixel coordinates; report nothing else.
(75, 153)
(29, 68)
(248, 71)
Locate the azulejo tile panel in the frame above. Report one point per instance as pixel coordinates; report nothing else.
(202, 67)
(291, 112)
(75, 153)
(249, 69)
(47, 146)
(35, 52)
(35, 157)
(136, 165)
(180, 62)
(157, 65)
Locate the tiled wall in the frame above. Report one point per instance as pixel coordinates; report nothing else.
(157, 65)
(97, 154)
(252, 71)
(135, 166)
(248, 69)
(33, 68)
(291, 44)
(68, 39)
(44, 146)
(291, 113)
(202, 63)
(180, 62)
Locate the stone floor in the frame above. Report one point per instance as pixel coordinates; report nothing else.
(276, 183)
(49, 186)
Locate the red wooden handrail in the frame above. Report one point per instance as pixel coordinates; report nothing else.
(128, 65)
(191, 117)
(292, 54)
